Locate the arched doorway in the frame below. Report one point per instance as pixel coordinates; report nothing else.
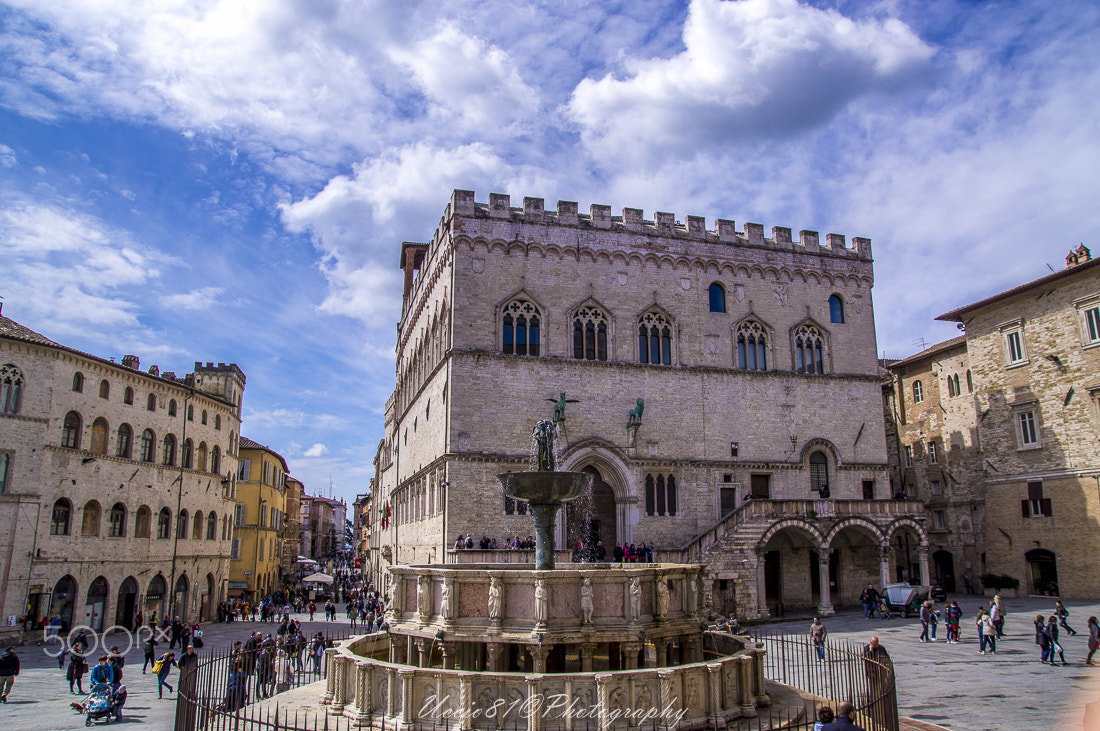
(182, 585)
(790, 570)
(93, 607)
(126, 606)
(943, 569)
(63, 601)
(1042, 568)
(154, 596)
(591, 517)
(206, 610)
(854, 563)
(905, 546)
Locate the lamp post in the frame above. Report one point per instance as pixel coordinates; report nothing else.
(259, 524)
(179, 506)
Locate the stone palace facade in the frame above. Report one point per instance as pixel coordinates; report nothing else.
(116, 485)
(722, 386)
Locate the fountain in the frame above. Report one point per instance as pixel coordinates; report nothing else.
(469, 644)
(545, 489)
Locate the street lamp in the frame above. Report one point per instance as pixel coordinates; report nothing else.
(259, 524)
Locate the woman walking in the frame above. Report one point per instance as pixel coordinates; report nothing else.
(164, 666)
(284, 675)
(78, 665)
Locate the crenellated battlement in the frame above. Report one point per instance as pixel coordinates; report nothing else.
(663, 224)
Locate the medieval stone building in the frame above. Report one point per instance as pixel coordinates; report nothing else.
(116, 484)
(722, 386)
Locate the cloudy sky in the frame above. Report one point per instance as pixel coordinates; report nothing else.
(230, 180)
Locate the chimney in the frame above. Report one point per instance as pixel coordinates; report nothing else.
(131, 361)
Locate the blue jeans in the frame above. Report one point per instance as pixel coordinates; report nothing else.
(162, 683)
(924, 631)
(820, 651)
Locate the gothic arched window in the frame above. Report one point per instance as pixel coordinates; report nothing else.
(654, 339)
(809, 350)
(11, 389)
(590, 334)
(752, 350)
(520, 328)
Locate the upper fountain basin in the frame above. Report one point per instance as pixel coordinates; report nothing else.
(545, 487)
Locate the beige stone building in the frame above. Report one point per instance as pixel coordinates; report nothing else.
(722, 386)
(932, 433)
(294, 491)
(116, 484)
(1034, 358)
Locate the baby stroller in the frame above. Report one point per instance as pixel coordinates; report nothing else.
(885, 612)
(103, 703)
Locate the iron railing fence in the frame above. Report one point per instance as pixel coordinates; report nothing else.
(206, 701)
(211, 696)
(836, 672)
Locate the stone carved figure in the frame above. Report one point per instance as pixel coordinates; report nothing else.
(708, 595)
(446, 610)
(424, 596)
(644, 699)
(635, 599)
(586, 601)
(635, 417)
(495, 592)
(662, 597)
(693, 595)
(540, 602)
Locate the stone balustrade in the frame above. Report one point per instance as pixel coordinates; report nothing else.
(589, 603)
(707, 694)
(501, 555)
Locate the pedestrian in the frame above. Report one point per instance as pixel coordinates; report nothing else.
(818, 633)
(953, 618)
(869, 599)
(312, 609)
(101, 673)
(1052, 632)
(989, 632)
(1062, 613)
(925, 620)
(1094, 639)
(236, 690)
(824, 718)
(9, 669)
(843, 720)
(150, 648)
(879, 669)
(1000, 615)
(1042, 638)
(981, 630)
(164, 666)
(78, 665)
(284, 673)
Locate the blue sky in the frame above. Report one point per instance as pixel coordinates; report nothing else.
(230, 180)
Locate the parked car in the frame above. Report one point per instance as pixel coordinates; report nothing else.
(938, 594)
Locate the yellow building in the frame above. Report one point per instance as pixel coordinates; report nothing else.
(259, 519)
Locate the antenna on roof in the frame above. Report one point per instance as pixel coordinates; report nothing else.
(920, 343)
(1050, 267)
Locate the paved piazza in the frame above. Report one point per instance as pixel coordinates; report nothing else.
(949, 685)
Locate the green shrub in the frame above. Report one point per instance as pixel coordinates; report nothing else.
(1000, 581)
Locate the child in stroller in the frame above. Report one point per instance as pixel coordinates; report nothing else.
(103, 702)
(884, 611)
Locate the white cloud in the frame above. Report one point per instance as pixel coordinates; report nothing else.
(197, 299)
(751, 69)
(7, 157)
(358, 222)
(317, 450)
(71, 268)
(470, 79)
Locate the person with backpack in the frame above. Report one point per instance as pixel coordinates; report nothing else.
(163, 666)
(150, 648)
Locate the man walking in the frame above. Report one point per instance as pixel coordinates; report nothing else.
(1062, 613)
(879, 669)
(869, 599)
(9, 668)
(843, 720)
(818, 633)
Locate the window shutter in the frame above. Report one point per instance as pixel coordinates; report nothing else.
(1046, 507)
(1024, 511)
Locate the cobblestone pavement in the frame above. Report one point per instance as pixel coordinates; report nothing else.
(39, 700)
(948, 685)
(955, 687)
